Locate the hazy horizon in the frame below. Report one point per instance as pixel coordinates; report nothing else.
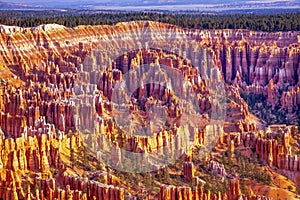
(199, 5)
(146, 1)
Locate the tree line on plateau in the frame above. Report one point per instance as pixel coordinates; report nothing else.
(256, 22)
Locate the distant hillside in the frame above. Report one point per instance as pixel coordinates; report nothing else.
(72, 18)
(18, 6)
(227, 6)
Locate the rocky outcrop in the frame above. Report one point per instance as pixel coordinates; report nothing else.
(29, 153)
(173, 192)
(274, 148)
(58, 82)
(188, 171)
(93, 190)
(233, 193)
(75, 188)
(253, 59)
(217, 168)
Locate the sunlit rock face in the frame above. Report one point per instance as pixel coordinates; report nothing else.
(49, 75)
(259, 63)
(273, 146)
(233, 192)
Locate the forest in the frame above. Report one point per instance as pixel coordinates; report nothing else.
(72, 18)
